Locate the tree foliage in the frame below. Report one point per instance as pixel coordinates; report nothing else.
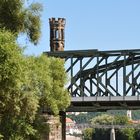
(47, 77)
(101, 134)
(86, 117)
(104, 133)
(18, 19)
(17, 106)
(103, 119)
(126, 134)
(121, 120)
(88, 133)
(27, 83)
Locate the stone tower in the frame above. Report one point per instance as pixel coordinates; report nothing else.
(57, 34)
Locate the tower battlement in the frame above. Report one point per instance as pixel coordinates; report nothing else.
(57, 22)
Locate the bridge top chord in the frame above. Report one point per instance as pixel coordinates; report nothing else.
(91, 52)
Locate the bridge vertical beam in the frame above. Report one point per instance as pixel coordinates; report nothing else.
(117, 86)
(124, 76)
(98, 76)
(106, 81)
(133, 81)
(71, 74)
(91, 88)
(63, 122)
(81, 81)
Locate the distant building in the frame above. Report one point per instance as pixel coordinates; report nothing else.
(71, 127)
(76, 113)
(70, 124)
(134, 121)
(129, 114)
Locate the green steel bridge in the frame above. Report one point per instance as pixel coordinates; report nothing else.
(102, 80)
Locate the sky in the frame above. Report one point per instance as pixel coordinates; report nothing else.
(91, 24)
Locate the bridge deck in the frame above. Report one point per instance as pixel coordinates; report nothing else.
(90, 104)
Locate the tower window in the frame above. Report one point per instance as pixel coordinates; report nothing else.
(62, 32)
(57, 34)
(56, 46)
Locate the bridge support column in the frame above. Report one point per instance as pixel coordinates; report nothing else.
(63, 122)
(112, 134)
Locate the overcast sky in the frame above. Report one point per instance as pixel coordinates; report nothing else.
(92, 24)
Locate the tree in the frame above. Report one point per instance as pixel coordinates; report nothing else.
(16, 18)
(137, 134)
(27, 83)
(17, 106)
(60, 96)
(48, 76)
(126, 134)
(121, 120)
(103, 133)
(103, 119)
(88, 133)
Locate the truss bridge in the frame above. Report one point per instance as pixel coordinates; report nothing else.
(102, 80)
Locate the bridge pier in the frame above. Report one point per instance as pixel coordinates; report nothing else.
(63, 122)
(112, 134)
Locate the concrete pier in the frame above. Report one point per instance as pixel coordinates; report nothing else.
(63, 122)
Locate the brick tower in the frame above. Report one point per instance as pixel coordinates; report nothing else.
(57, 34)
(57, 44)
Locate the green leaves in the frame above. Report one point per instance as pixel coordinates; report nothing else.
(50, 77)
(32, 22)
(60, 95)
(88, 133)
(104, 133)
(27, 84)
(16, 18)
(121, 120)
(103, 119)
